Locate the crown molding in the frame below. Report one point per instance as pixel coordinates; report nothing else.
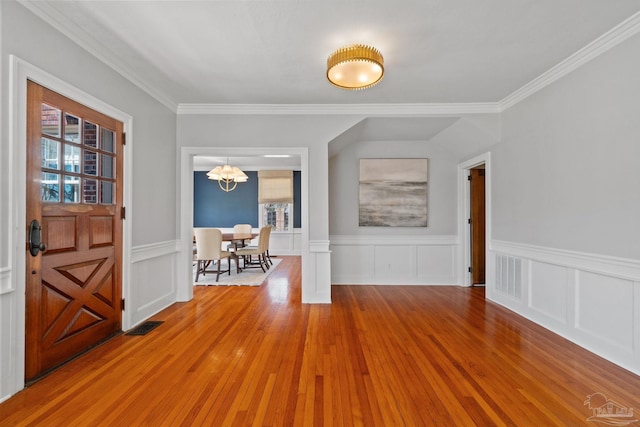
(50, 15)
(445, 109)
(605, 42)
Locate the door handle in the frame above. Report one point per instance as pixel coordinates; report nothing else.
(35, 238)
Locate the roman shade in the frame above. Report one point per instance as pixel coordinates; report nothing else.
(275, 186)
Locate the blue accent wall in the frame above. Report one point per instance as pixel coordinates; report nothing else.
(213, 207)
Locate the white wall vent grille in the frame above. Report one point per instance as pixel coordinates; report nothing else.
(509, 275)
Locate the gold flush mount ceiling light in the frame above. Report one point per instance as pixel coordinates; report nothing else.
(355, 67)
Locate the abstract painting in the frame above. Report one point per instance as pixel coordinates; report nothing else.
(393, 192)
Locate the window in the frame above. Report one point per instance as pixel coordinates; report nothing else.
(275, 196)
(78, 159)
(277, 215)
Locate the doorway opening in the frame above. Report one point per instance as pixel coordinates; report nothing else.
(184, 269)
(474, 209)
(477, 225)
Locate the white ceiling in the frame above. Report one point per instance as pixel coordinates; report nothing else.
(239, 52)
(274, 51)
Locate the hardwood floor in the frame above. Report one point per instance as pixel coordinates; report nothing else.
(377, 356)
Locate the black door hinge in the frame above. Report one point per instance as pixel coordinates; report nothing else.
(124, 138)
(469, 269)
(468, 177)
(469, 221)
(123, 213)
(122, 304)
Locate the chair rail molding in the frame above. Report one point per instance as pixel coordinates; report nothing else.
(319, 245)
(154, 250)
(5, 281)
(394, 240)
(623, 268)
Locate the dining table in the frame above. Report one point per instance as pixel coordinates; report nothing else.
(238, 240)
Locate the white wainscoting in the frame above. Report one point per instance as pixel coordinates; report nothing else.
(394, 260)
(9, 303)
(589, 299)
(153, 279)
(285, 243)
(316, 271)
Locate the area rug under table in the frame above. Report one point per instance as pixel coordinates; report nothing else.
(247, 277)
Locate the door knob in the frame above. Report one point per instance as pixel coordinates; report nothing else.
(35, 238)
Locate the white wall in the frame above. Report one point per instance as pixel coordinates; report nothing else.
(442, 187)
(471, 135)
(393, 255)
(59, 63)
(566, 204)
(567, 171)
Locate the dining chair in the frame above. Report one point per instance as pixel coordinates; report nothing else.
(240, 229)
(267, 245)
(194, 244)
(260, 251)
(209, 249)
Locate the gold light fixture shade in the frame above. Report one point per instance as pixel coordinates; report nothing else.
(355, 67)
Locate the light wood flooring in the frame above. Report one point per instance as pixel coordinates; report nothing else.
(377, 356)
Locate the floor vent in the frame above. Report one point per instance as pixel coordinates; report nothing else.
(144, 328)
(509, 275)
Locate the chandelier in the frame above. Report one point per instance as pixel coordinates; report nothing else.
(227, 176)
(355, 67)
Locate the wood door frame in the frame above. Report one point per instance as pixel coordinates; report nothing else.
(20, 72)
(464, 210)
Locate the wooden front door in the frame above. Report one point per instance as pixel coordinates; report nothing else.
(74, 192)
(477, 222)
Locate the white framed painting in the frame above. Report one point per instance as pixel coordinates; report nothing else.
(393, 192)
